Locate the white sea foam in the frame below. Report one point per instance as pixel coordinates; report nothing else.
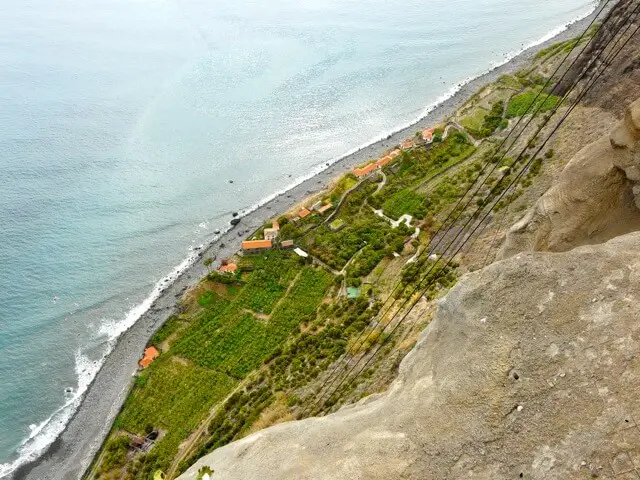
(43, 434)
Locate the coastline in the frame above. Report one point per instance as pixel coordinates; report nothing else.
(72, 452)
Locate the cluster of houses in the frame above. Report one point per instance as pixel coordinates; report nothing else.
(367, 169)
(318, 207)
(427, 135)
(270, 237)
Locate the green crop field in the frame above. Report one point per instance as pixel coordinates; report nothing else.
(405, 202)
(272, 274)
(520, 105)
(173, 398)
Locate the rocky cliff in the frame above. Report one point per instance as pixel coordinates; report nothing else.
(542, 385)
(596, 197)
(530, 369)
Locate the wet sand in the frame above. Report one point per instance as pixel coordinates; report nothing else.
(71, 454)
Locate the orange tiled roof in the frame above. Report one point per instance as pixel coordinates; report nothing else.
(366, 170)
(383, 161)
(408, 144)
(324, 208)
(427, 133)
(256, 244)
(150, 354)
(230, 268)
(303, 213)
(394, 154)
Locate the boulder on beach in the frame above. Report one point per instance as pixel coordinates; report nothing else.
(235, 221)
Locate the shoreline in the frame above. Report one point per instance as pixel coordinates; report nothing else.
(72, 452)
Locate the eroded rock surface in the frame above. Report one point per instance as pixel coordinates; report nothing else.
(594, 200)
(531, 369)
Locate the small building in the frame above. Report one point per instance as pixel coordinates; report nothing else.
(325, 207)
(383, 161)
(394, 154)
(255, 246)
(427, 134)
(364, 171)
(287, 244)
(301, 252)
(275, 225)
(150, 354)
(353, 293)
(228, 268)
(304, 213)
(407, 144)
(316, 205)
(270, 234)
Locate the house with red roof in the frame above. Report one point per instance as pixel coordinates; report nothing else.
(427, 134)
(364, 171)
(304, 213)
(228, 268)
(150, 354)
(255, 246)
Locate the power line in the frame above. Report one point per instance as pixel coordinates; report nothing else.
(429, 252)
(581, 96)
(515, 180)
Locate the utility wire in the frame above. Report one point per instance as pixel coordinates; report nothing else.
(428, 252)
(515, 180)
(581, 96)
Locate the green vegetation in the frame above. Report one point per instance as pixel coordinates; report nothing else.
(337, 248)
(337, 224)
(173, 398)
(473, 122)
(296, 364)
(566, 46)
(527, 103)
(272, 274)
(344, 184)
(405, 201)
(510, 81)
(248, 350)
(487, 123)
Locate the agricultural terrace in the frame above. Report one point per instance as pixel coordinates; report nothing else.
(227, 332)
(250, 348)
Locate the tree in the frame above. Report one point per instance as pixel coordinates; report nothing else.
(208, 262)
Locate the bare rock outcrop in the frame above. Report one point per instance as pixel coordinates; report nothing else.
(501, 385)
(594, 200)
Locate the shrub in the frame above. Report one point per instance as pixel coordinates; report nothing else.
(527, 103)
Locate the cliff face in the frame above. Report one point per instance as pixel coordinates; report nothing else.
(596, 197)
(621, 82)
(500, 385)
(531, 367)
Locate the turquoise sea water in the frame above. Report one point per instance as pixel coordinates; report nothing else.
(122, 122)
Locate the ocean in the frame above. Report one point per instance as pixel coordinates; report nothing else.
(131, 130)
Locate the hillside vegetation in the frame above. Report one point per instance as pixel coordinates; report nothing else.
(251, 349)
